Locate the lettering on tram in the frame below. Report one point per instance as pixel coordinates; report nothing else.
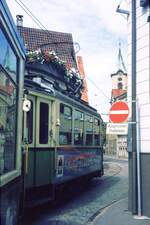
(49, 136)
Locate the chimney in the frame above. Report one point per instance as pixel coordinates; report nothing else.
(19, 20)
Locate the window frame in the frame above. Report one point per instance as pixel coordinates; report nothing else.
(77, 119)
(67, 117)
(96, 124)
(7, 76)
(32, 144)
(10, 44)
(89, 119)
(37, 126)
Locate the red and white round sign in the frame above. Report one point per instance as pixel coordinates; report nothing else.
(119, 112)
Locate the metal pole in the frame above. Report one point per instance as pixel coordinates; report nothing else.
(132, 159)
(138, 157)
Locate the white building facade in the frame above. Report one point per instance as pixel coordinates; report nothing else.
(139, 87)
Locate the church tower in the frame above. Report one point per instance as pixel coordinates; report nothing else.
(119, 80)
(117, 143)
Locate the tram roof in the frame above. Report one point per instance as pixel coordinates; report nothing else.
(33, 86)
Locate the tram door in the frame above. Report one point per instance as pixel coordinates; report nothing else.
(38, 126)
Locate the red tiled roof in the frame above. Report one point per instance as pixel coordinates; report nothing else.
(118, 92)
(61, 43)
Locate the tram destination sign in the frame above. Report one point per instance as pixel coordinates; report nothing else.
(117, 128)
(119, 112)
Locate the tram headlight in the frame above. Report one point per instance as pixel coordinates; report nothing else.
(26, 105)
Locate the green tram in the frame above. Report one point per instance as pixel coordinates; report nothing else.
(58, 137)
(64, 140)
(12, 58)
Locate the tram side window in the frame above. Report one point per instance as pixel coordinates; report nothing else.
(29, 124)
(65, 133)
(96, 132)
(43, 123)
(89, 130)
(103, 133)
(8, 121)
(78, 127)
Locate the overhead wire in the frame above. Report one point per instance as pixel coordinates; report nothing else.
(28, 14)
(39, 24)
(98, 87)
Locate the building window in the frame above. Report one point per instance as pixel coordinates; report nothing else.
(119, 85)
(43, 123)
(119, 79)
(8, 121)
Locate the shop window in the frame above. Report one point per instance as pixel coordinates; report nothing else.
(8, 121)
(29, 124)
(43, 123)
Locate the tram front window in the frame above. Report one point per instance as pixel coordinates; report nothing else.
(7, 123)
(7, 57)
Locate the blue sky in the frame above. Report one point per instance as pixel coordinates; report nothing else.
(97, 28)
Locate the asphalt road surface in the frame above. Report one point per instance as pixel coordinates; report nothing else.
(80, 204)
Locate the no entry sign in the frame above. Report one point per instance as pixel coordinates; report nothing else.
(119, 112)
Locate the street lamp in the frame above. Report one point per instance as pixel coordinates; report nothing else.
(122, 11)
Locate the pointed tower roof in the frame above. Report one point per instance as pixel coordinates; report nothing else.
(121, 64)
(121, 68)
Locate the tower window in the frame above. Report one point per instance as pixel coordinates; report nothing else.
(119, 85)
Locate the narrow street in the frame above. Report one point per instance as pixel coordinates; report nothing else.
(82, 204)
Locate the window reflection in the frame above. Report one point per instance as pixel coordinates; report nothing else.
(7, 57)
(7, 123)
(65, 132)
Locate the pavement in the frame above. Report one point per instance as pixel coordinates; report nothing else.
(118, 214)
(113, 157)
